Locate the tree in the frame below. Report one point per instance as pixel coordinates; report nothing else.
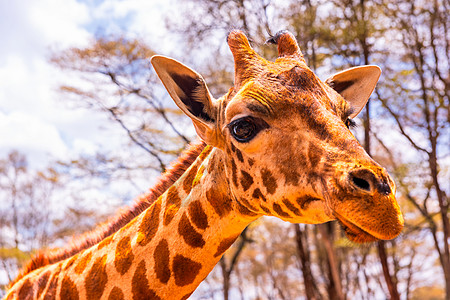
(124, 91)
(422, 118)
(39, 207)
(25, 213)
(360, 18)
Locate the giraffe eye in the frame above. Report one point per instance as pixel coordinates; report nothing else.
(243, 130)
(246, 128)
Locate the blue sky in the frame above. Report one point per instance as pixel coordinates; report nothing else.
(33, 119)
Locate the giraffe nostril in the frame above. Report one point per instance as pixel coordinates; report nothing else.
(366, 180)
(360, 183)
(384, 188)
(363, 179)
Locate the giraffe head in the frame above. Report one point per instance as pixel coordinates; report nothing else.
(286, 145)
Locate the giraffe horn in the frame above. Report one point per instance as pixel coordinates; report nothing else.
(246, 60)
(287, 45)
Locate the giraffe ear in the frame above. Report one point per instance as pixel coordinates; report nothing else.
(355, 85)
(189, 91)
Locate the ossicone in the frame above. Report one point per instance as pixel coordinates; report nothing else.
(287, 45)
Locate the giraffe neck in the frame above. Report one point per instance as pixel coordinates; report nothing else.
(164, 253)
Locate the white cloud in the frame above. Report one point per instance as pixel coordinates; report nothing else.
(142, 18)
(31, 119)
(31, 135)
(59, 21)
(28, 28)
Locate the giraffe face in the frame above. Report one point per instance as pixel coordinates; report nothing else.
(287, 149)
(291, 155)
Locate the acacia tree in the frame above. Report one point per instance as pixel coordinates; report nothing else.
(116, 79)
(422, 118)
(25, 210)
(39, 206)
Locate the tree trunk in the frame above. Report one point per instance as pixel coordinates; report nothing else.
(392, 286)
(367, 128)
(311, 290)
(335, 289)
(226, 278)
(444, 211)
(228, 270)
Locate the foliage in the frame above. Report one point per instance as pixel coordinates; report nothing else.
(116, 79)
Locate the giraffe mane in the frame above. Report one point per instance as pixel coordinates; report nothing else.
(123, 217)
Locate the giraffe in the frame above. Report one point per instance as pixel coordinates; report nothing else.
(276, 144)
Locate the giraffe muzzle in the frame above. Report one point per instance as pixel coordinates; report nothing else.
(367, 209)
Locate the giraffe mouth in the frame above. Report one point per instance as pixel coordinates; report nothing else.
(353, 232)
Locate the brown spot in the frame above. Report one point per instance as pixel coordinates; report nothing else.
(50, 294)
(161, 257)
(258, 195)
(69, 290)
(233, 173)
(265, 209)
(116, 294)
(239, 155)
(187, 183)
(71, 261)
(305, 200)
(149, 224)
(292, 207)
(219, 201)
(277, 208)
(211, 165)
(26, 290)
(83, 262)
(246, 180)
(314, 177)
(316, 125)
(205, 152)
(173, 203)
(251, 162)
(104, 243)
(42, 282)
(190, 236)
(247, 204)
(245, 211)
(96, 279)
(139, 285)
(198, 216)
(269, 181)
(290, 176)
(225, 244)
(124, 255)
(232, 147)
(185, 270)
(314, 154)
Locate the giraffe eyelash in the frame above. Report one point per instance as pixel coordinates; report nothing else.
(350, 123)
